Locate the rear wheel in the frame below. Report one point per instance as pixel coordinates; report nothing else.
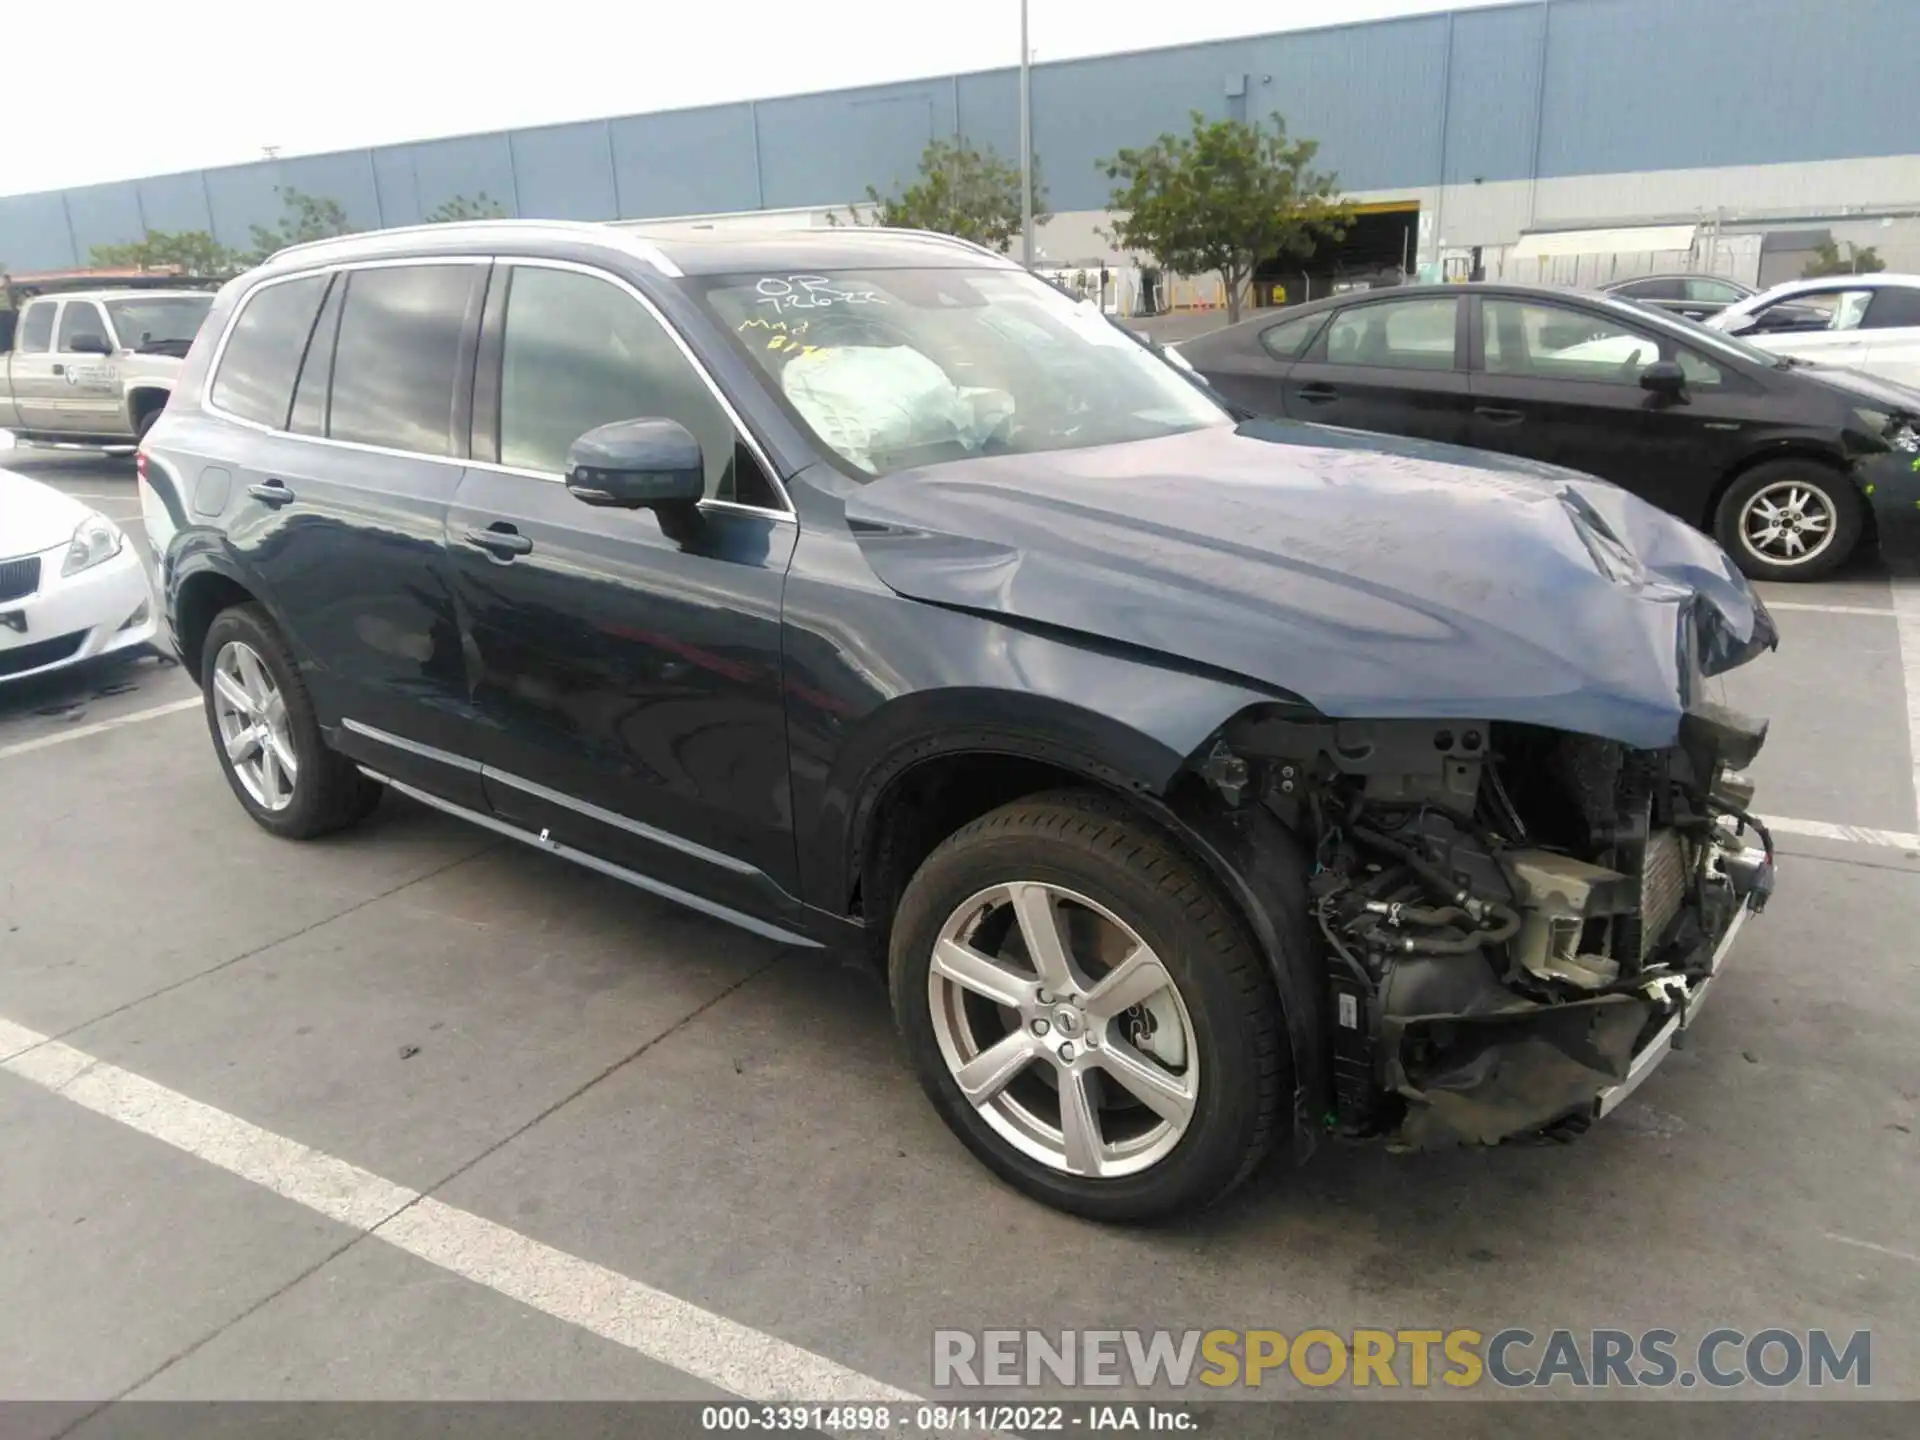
(1086, 1012)
(1790, 520)
(265, 734)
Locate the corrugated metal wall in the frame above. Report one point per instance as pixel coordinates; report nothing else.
(1551, 88)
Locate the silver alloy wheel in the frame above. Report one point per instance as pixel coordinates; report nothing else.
(1788, 522)
(1064, 1030)
(252, 714)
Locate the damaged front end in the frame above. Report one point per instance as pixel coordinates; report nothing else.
(1517, 921)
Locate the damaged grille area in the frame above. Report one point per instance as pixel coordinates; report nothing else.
(1508, 912)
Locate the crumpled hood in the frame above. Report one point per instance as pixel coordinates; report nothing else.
(1372, 577)
(34, 517)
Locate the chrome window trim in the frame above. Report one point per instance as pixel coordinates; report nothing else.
(740, 426)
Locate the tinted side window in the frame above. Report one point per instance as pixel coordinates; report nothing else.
(579, 352)
(1289, 339)
(255, 379)
(1547, 342)
(1714, 292)
(1894, 307)
(81, 317)
(36, 328)
(397, 358)
(310, 395)
(1663, 289)
(1399, 335)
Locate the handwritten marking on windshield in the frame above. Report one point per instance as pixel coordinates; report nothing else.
(810, 292)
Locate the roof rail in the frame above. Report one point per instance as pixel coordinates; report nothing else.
(961, 241)
(651, 254)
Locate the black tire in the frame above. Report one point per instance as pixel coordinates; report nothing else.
(1100, 849)
(329, 793)
(1838, 494)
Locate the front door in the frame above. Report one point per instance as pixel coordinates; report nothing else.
(1826, 325)
(1395, 366)
(30, 371)
(84, 359)
(1562, 384)
(626, 664)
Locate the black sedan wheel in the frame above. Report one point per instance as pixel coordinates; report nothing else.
(1790, 520)
(1085, 1011)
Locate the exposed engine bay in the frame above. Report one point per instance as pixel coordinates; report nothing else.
(1512, 916)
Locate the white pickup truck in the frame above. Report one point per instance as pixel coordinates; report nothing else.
(95, 367)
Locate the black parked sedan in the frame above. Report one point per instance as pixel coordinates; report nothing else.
(1789, 465)
(1694, 296)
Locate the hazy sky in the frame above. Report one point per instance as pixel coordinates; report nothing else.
(170, 87)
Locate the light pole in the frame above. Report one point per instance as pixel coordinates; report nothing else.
(1026, 144)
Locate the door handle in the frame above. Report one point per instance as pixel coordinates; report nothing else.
(273, 493)
(58, 368)
(1494, 415)
(1318, 394)
(500, 540)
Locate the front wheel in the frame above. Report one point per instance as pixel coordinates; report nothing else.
(1086, 1012)
(1790, 520)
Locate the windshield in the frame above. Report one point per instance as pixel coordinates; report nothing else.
(155, 322)
(892, 369)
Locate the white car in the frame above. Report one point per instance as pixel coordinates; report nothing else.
(71, 587)
(1864, 322)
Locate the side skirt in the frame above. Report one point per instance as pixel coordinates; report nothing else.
(594, 862)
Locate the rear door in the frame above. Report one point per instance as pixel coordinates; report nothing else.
(1892, 333)
(354, 390)
(1397, 366)
(84, 358)
(1560, 383)
(35, 386)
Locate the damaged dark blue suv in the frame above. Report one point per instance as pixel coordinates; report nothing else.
(1203, 787)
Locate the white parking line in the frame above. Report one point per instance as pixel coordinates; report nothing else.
(1826, 830)
(650, 1322)
(1881, 611)
(1906, 612)
(81, 732)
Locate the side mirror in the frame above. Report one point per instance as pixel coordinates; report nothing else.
(637, 464)
(1664, 377)
(89, 345)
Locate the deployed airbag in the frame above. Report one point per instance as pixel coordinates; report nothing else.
(865, 400)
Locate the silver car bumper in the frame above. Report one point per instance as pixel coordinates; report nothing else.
(1648, 1059)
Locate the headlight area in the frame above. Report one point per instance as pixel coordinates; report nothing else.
(1896, 432)
(96, 539)
(1514, 919)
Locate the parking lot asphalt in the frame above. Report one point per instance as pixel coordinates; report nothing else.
(660, 1157)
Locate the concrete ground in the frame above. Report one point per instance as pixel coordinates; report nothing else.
(663, 1158)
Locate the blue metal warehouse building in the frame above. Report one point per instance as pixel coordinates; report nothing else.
(1475, 128)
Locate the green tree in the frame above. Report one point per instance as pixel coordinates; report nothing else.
(1827, 260)
(195, 252)
(303, 217)
(460, 207)
(962, 190)
(1225, 197)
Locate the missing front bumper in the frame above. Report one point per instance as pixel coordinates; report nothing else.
(1524, 1068)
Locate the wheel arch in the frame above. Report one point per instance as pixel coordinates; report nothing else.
(920, 792)
(1811, 451)
(197, 593)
